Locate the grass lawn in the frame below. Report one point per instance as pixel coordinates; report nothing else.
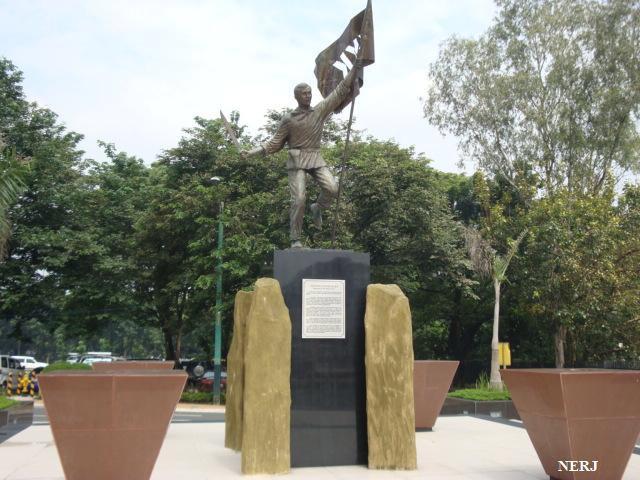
(6, 402)
(481, 394)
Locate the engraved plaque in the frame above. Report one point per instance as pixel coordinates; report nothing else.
(323, 309)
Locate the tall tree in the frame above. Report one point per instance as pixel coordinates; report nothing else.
(176, 248)
(552, 86)
(581, 265)
(549, 93)
(396, 208)
(46, 233)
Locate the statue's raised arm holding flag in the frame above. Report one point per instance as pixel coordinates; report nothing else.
(301, 130)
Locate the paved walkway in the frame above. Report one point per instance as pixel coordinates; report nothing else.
(460, 448)
(183, 414)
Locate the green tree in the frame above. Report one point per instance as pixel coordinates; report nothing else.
(106, 293)
(396, 208)
(578, 281)
(45, 229)
(547, 99)
(552, 86)
(175, 235)
(12, 171)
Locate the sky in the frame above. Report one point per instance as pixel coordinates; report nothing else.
(135, 73)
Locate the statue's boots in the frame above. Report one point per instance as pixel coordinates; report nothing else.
(316, 215)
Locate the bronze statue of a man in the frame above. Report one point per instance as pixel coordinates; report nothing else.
(302, 131)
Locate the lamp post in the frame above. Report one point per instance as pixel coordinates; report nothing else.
(217, 341)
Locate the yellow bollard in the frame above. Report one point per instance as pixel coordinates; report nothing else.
(32, 381)
(10, 384)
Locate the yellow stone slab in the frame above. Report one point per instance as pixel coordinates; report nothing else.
(267, 390)
(235, 372)
(389, 370)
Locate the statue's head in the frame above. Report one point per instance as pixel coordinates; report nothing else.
(302, 92)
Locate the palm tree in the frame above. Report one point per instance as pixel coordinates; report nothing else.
(12, 171)
(488, 264)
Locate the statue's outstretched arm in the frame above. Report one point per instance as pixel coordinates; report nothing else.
(253, 152)
(273, 145)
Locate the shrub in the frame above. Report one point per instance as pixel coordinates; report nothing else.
(481, 394)
(483, 382)
(200, 397)
(6, 402)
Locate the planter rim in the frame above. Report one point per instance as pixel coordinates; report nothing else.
(137, 362)
(571, 371)
(436, 361)
(479, 401)
(115, 373)
(20, 404)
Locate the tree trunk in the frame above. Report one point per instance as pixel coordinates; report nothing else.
(455, 327)
(169, 349)
(178, 346)
(559, 340)
(495, 379)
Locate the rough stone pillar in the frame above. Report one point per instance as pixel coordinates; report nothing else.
(267, 392)
(235, 372)
(389, 368)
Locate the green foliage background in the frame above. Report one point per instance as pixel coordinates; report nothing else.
(120, 255)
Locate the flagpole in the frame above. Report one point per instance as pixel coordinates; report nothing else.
(360, 28)
(343, 166)
(356, 64)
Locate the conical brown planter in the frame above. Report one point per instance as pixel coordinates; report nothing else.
(132, 365)
(579, 415)
(431, 382)
(110, 425)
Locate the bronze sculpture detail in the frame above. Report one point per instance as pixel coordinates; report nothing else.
(301, 129)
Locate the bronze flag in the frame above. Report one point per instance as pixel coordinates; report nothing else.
(229, 129)
(343, 50)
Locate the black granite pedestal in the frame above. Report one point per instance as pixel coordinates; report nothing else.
(328, 396)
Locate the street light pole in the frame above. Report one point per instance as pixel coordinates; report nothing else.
(217, 353)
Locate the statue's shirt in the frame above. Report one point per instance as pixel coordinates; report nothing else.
(302, 131)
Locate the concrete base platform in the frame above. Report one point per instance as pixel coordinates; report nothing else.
(459, 448)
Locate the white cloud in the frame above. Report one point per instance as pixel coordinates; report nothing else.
(136, 73)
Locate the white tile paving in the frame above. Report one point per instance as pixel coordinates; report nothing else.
(460, 448)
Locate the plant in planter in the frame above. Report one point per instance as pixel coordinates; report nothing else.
(482, 391)
(481, 400)
(480, 395)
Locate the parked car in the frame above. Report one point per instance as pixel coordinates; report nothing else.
(90, 358)
(73, 357)
(8, 364)
(29, 363)
(205, 383)
(195, 369)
